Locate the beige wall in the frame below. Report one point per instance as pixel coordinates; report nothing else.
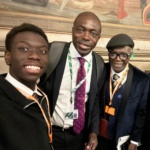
(57, 24)
(141, 51)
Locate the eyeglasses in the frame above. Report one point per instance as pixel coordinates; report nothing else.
(122, 56)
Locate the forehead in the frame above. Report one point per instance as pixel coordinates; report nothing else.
(125, 49)
(88, 21)
(30, 37)
(27, 34)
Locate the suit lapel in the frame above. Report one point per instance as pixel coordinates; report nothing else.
(93, 87)
(59, 73)
(126, 93)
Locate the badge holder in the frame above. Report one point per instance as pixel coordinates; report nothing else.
(71, 115)
(109, 110)
(103, 128)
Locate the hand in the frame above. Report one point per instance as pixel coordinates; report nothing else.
(92, 142)
(132, 146)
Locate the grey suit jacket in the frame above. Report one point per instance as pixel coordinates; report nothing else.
(52, 85)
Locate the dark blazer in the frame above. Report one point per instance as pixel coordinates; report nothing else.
(132, 121)
(20, 128)
(52, 85)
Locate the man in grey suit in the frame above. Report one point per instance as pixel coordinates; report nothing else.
(61, 87)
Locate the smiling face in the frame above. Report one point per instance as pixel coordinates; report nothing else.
(86, 33)
(117, 64)
(28, 57)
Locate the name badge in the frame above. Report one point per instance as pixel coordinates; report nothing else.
(110, 110)
(71, 115)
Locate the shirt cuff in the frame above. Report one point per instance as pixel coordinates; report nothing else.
(136, 143)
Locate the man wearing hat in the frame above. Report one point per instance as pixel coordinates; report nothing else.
(124, 98)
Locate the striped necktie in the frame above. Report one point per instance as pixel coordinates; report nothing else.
(115, 80)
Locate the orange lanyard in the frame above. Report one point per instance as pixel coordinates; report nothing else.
(118, 84)
(43, 113)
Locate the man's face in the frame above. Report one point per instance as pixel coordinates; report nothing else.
(118, 64)
(28, 57)
(85, 34)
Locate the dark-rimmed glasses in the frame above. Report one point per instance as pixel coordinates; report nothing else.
(122, 56)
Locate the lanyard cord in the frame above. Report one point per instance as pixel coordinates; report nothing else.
(43, 113)
(71, 72)
(118, 84)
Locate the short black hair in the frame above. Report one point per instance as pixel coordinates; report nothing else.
(22, 28)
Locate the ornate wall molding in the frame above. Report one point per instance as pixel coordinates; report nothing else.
(59, 28)
(64, 25)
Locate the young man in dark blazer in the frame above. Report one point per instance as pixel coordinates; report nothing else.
(61, 87)
(24, 119)
(124, 99)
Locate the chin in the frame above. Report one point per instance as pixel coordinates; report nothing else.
(33, 79)
(84, 53)
(118, 70)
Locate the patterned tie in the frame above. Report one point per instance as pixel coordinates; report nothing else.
(115, 80)
(78, 123)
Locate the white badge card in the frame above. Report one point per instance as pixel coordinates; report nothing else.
(71, 115)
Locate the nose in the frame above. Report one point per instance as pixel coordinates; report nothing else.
(33, 54)
(86, 35)
(117, 57)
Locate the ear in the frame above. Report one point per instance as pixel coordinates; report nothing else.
(99, 37)
(7, 57)
(72, 28)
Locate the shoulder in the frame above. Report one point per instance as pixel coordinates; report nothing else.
(97, 55)
(107, 64)
(98, 58)
(2, 79)
(5, 85)
(59, 43)
(139, 73)
(58, 48)
(107, 67)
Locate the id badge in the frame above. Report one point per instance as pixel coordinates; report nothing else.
(71, 115)
(110, 110)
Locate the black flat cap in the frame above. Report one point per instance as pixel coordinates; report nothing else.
(120, 40)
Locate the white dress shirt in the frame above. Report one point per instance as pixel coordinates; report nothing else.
(63, 104)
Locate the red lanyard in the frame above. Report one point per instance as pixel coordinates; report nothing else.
(43, 113)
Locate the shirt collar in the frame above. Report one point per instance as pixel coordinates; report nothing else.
(21, 86)
(75, 54)
(113, 72)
